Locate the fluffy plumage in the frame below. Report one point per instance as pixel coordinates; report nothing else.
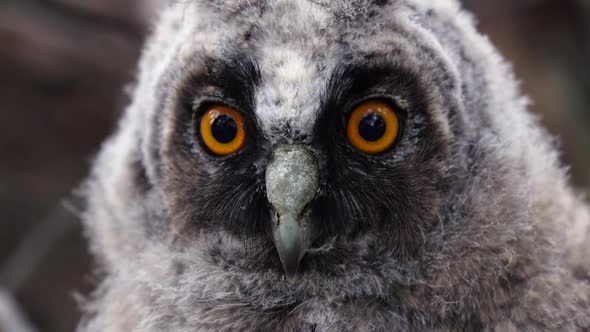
(468, 223)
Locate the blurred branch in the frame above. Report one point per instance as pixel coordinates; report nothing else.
(35, 245)
(25, 259)
(12, 319)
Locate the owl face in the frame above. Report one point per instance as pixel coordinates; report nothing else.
(298, 148)
(314, 138)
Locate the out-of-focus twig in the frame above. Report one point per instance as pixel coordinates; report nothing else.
(25, 259)
(12, 319)
(36, 244)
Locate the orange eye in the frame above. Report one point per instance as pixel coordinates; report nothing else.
(222, 130)
(373, 127)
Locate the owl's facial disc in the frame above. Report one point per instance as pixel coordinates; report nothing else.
(291, 183)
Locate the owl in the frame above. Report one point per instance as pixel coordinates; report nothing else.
(354, 165)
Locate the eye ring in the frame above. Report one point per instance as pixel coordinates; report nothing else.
(373, 127)
(222, 129)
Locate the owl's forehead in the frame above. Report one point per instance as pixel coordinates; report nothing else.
(296, 53)
(295, 44)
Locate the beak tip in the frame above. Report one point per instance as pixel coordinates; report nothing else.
(290, 267)
(292, 279)
(291, 241)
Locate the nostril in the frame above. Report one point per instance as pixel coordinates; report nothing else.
(275, 218)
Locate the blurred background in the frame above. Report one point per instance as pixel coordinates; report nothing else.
(64, 65)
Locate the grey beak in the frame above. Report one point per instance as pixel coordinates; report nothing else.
(291, 183)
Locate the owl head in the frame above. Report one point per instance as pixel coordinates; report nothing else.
(277, 152)
(293, 126)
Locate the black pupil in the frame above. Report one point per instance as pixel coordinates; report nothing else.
(372, 127)
(224, 129)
